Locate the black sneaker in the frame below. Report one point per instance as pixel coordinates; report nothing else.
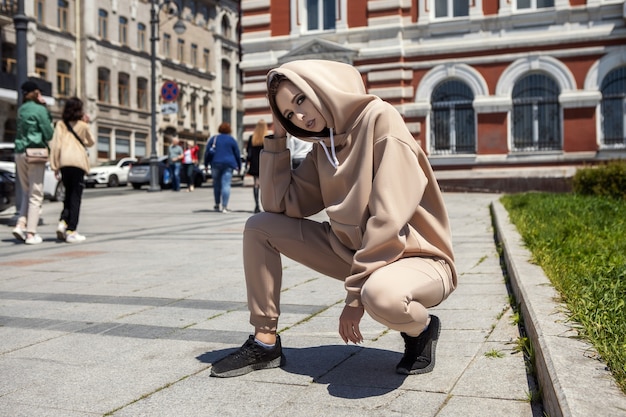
(250, 357)
(419, 351)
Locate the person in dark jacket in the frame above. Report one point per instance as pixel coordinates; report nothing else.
(34, 130)
(224, 160)
(253, 152)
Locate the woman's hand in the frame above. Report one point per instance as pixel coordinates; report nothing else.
(279, 130)
(349, 324)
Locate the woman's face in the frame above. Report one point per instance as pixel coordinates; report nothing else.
(298, 109)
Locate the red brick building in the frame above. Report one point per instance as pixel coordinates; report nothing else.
(478, 82)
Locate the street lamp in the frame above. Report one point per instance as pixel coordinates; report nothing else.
(179, 28)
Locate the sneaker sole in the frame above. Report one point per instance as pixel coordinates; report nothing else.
(431, 365)
(274, 363)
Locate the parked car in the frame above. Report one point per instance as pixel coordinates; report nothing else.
(139, 174)
(111, 173)
(7, 189)
(53, 188)
(238, 174)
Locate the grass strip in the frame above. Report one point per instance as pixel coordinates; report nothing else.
(580, 243)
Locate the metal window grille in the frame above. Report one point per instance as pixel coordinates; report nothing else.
(536, 115)
(453, 120)
(613, 108)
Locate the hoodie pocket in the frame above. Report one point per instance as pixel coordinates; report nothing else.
(349, 235)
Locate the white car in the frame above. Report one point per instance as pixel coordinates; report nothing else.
(110, 173)
(53, 189)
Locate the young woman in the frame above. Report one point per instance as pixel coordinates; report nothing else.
(34, 130)
(226, 158)
(68, 158)
(253, 153)
(388, 238)
(190, 161)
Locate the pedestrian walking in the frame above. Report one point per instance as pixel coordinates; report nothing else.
(253, 152)
(190, 160)
(70, 161)
(175, 156)
(222, 153)
(34, 131)
(387, 238)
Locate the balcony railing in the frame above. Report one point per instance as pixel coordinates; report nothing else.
(8, 7)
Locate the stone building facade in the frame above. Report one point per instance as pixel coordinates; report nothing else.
(480, 83)
(101, 52)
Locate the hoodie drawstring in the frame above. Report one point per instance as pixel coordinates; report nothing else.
(333, 161)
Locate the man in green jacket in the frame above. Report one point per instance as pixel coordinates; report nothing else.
(34, 130)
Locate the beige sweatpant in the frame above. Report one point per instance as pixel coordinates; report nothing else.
(396, 295)
(31, 181)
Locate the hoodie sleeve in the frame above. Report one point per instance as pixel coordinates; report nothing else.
(294, 193)
(398, 186)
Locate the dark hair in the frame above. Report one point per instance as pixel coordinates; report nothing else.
(225, 128)
(73, 109)
(272, 88)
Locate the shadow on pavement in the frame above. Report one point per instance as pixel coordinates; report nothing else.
(351, 372)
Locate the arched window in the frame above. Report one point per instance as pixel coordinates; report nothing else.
(453, 121)
(63, 78)
(123, 30)
(141, 36)
(104, 85)
(536, 115)
(123, 89)
(41, 66)
(613, 108)
(226, 29)
(142, 93)
(62, 13)
(226, 74)
(103, 17)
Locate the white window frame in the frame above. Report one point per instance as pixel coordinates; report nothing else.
(532, 7)
(450, 14)
(299, 17)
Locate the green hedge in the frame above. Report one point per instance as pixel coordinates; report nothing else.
(606, 180)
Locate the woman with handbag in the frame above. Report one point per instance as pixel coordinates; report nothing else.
(68, 157)
(222, 153)
(34, 131)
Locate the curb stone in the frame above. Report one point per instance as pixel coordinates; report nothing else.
(573, 383)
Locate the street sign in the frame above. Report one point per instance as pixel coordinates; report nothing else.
(169, 108)
(169, 91)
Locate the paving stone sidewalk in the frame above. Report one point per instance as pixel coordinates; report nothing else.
(129, 322)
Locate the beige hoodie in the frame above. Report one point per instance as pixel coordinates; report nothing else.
(66, 151)
(382, 198)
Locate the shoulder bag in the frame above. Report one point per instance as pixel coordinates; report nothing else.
(36, 155)
(210, 153)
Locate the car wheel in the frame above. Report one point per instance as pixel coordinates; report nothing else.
(59, 192)
(113, 181)
(136, 185)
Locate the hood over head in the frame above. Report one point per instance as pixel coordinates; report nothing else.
(335, 89)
